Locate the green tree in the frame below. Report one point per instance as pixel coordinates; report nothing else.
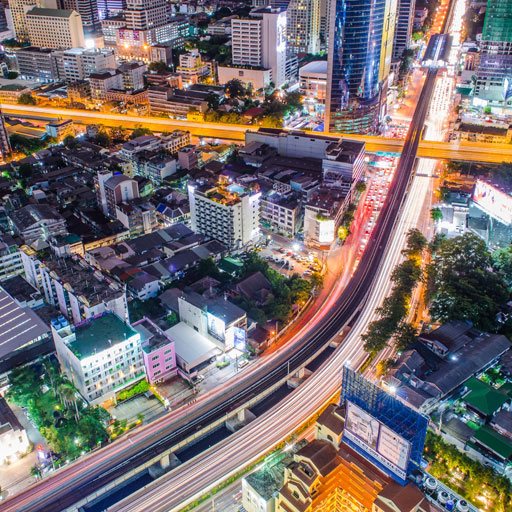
(158, 67)
(140, 131)
(360, 186)
(415, 243)
(502, 263)
(68, 394)
(405, 336)
(11, 75)
(35, 471)
(213, 100)
(26, 99)
(235, 88)
(462, 284)
(436, 214)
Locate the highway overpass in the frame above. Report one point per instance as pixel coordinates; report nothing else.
(469, 151)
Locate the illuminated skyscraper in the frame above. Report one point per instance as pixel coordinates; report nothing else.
(493, 85)
(359, 49)
(303, 26)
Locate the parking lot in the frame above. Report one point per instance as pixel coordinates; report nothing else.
(290, 258)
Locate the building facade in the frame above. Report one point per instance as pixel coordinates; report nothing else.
(303, 26)
(355, 52)
(227, 216)
(100, 356)
(55, 28)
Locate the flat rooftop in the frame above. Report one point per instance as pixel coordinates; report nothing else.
(316, 66)
(100, 334)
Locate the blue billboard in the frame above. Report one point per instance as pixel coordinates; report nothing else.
(381, 427)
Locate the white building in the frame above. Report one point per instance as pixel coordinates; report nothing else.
(260, 41)
(18, 10)
(105, 81)
(10, 258)
(79, 63)
(100, 356)
(55, 28)
(228, 213)
(313, 81)
(219, 320)
(14, 442)
(280, 214)
(37, 222)
(192, 68)
(303, 26)
(255, 78)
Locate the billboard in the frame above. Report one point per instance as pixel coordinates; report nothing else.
(386, 446)
(492, 200)
(216, 327)
(239, 338)
(382, 428)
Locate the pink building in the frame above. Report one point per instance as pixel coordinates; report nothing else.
(158, 351)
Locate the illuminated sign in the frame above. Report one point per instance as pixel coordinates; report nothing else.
(216, 327)
(239, 338)
(492, 200)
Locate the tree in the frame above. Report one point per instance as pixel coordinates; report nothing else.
(11, 75)
(140, 131)
(360, 186)
(502, 263)
(70, 141)
(35, 471)
(67, 393)
(462, 283)
(294, 101)
(103, 139)
(158, 67)
(405, 336)
(436, 214)
(213, 100)
(26, 99)
(235, 88)
(415, 243)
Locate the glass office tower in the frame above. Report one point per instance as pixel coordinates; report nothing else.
(354, 59)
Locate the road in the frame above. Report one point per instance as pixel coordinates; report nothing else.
(67, 486)
(469, 151)
(371, 282)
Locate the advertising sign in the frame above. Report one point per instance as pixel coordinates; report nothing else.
(362, 425)
(495, 202)
(393, 447)
(239, 338)
(216, 327)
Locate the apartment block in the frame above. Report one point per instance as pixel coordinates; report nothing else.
(76, 64)
(55, 28)
(192, 68)
(280, 214)
(261, 41)
(101, 356)
(10, 258)
(303, 26)
(228, 213)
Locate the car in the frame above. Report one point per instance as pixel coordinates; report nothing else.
(243, 363)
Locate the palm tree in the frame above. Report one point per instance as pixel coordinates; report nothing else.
(35, 471)
(68, 393)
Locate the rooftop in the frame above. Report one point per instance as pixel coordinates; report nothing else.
(316, 66)
(495, 442)
(99, 334)
(188, 343)
(483, 397)
(54, 13)
(19, 326)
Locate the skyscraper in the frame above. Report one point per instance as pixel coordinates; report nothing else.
(354, 75)
(88, 10)
(403, 31)
(303, 26)
(493, 85)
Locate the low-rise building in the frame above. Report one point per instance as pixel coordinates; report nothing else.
(14, 442)
(158, 351)
(194, 352)
(37, 222)
(252, 77)
(36, 63)
(100, 356)
(60, 129)
(313, 82)
(280, 214)
(175, 102)
(192, 68)
(105, 81)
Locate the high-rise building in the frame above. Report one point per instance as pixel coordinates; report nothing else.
(88, 9)
(303, 26)
(403, 30)
(55, 28)
(228, 213)
(493, 84)
(356, 65)
(261, 41)
(5, 145)
(388, 36)
(146, 14)
(18, 11)
(325, 22)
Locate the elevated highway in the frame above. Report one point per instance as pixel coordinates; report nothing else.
(469, 151)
